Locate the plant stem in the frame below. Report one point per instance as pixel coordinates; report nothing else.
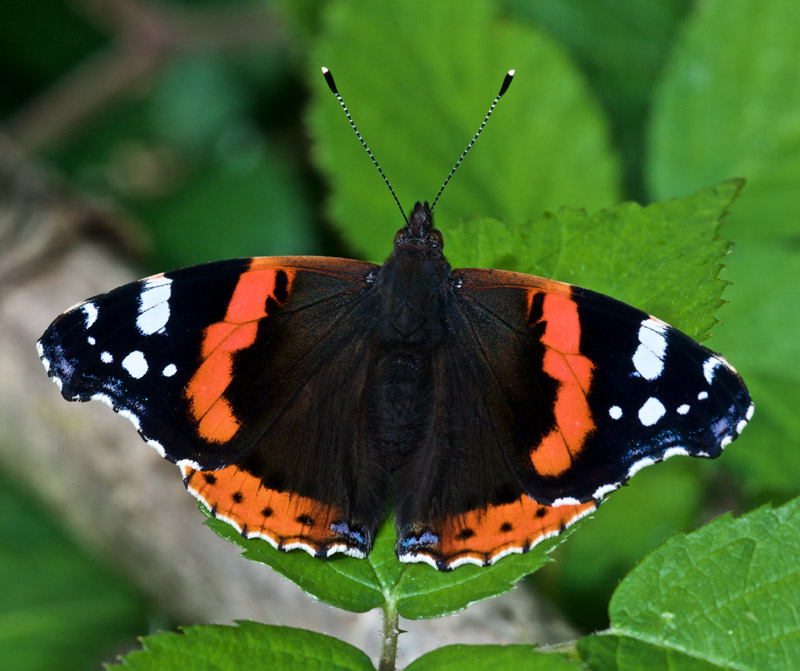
(391, 631)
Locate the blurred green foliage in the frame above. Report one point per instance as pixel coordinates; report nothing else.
(243, 152)
(59, 608)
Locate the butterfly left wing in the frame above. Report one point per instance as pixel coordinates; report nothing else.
(560, 394)
(241, 372)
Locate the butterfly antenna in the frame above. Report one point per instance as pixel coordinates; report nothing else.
(332, 86)
(506, 83)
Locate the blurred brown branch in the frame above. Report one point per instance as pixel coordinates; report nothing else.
(144, 36)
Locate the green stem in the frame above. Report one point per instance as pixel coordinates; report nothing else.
(391, 631)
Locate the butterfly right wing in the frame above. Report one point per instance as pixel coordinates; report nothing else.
(558, 396)
(234, 370)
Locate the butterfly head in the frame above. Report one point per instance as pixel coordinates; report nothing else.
(420, 230)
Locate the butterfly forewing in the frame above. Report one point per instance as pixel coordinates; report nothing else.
(629, 389)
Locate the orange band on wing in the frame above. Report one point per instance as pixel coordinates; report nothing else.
(216, 421)
(573, 372)
(283, 518)
(486, 534)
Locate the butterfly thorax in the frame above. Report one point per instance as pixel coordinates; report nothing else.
(413, 283)
(412, 289)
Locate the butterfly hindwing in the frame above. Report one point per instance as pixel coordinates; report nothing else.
(237, 371)
(459, 499)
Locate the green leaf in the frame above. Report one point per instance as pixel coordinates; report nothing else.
(728, 105)
(723, 597)
(490, 658)
(343, 582)
(621, 46)
(249, 205)
(655, 504)
(617, 653)
(196, 99)
(59, 608)
(767, 465)
(760, 337)
(431, 72)
(424, 592)
(248, 645)
(66, 38)
(663, 258)
(415, 590)
(192, 163)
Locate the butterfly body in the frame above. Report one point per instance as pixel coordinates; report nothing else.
(306, 398)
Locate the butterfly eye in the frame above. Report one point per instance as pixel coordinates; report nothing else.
(400, 234)
(436, 234)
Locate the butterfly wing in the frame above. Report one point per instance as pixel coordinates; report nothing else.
(561, 394)
(459, 499)
(234, 370)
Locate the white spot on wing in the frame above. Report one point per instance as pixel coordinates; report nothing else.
(708, 368)
(683, 409)
(169, 370)
(344, 549)
(639, 465)
(135, 364)
(106, 357)
(188, 465)
(90, 310)
(45, 361)
(91, 340)
(615, 412)
(565, 501)
(702, 396)
(514, 549)
(649, 461)
(649, 356)
(154, 305)
(461, 561)
(651, 411)
(297, 545)
(600, 492)
(127, 414)
(103, 398)
(414, 558)
(158, 447)
(674, 452)
(749, 414)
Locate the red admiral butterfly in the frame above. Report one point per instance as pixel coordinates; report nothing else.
(306, 398)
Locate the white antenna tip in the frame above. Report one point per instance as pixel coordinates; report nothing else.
(511, 73)
(324, 70)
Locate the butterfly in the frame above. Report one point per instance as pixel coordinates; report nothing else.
(305, 399)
